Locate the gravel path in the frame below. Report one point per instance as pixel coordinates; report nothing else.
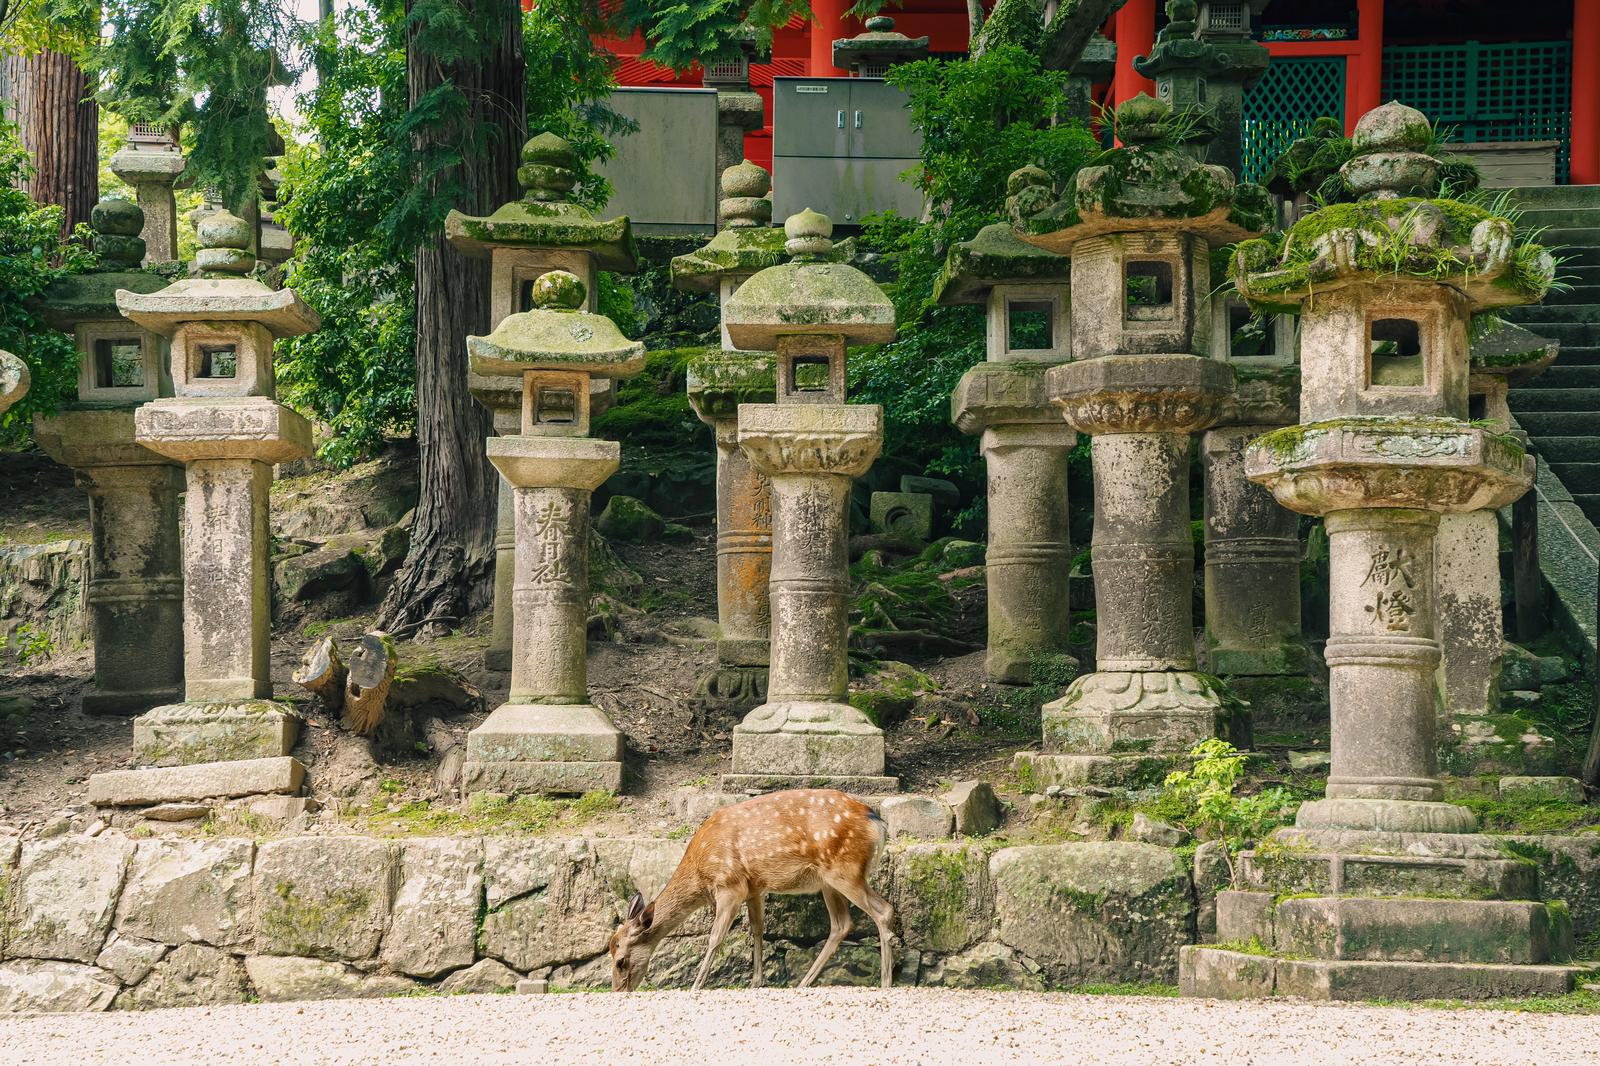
(779, 1027)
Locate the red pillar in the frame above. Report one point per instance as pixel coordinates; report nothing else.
(1136, 35)
(827, 27)
(1585, 92)
(1363, 89)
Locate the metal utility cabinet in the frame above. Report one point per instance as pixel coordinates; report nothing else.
(664, 176)
(839, 146)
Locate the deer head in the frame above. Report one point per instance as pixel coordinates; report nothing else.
(632, 945)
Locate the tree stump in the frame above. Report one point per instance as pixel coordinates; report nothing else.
(322, 674)
(366, 689)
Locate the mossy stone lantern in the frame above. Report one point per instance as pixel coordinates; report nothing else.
(136, 595)
(879, 46)
(14, 380)
(547, 737)
(718, 383)
(1024, 290)
(523, 240)
(1389, 892)
(152, 162)
(812, 444)
(1139, 228)
(229, 431)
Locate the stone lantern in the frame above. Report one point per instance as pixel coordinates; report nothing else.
(1025, 444)
(1095, 66)
(812, 445)
(1238, 64)
(739, 108)
(1385, 289)
(1140, 229)
(1467, 568)
(523, 240)
(870, 53)
(718, 384)
(152, 163)
(136, 595)
(227, 429)
(548, 737)
(13, 380)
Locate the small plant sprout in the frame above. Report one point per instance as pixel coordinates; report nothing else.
(1213, 809)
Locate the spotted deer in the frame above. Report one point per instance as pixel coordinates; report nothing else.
(807, 840)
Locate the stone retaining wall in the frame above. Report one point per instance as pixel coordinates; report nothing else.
(95, 923)
(42, 586)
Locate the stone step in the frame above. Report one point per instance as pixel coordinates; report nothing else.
(1547, 218)
(1042, 770)
(1557, 195)
(1564, 375)
(1297, 869)
(1589, 504)
(1558, 312)
(1556, 399)
(1394, 929)
(1576, 333)
(1217, 973)
(1578, 477)
(1542, 423)
(197, 781)
(1556, 450)
(1570, 355)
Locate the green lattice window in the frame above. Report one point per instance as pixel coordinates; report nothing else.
(1516, 91)
(1291, 95)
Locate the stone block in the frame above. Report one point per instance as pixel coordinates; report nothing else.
(1543, 789)
(916, 816)
(65, 895)
(177, 784)
(856, 785)
(285, 979)
(530, 986)
(1038, 771)
(977, 810)
(1106, 911)
(183, 890)
(433, 920)
(544, 748)
(1245, 918)
(1291, 870)
(1411, 981)
(1414, 930)
(1566, 869)
(182, 734)
(908, 514)
(37, 986)
(941, 896)
(1212, 973)
(191, 975)
(328, 569)
(1148, 830)
(546, 903)
(804, 755)
(487, 975)
(323, 897)
(694, 805)
(540, 778)
(988, 965)
(130, 958)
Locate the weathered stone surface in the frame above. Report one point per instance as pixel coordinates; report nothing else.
(1218, 974)
(190, 733)
(941, 896)
(130, 958)
(193, 975)
(487, 975)
(324, 897)
(976, 809)
(545, 904)
(1416, 930)
(64, 896)
(1110, 911)
(1151, 831)
(283, 979)
(1561, 789)
(433, 924)
(305, 577)
(988, 965)
(183, 890)
(916, 816)
(174, 784)
(1211, 876)
(33, 985)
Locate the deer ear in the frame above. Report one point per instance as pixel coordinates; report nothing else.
(648, 916)
(635, 906)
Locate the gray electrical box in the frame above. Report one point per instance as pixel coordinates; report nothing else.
(839, 146)
(664, 176)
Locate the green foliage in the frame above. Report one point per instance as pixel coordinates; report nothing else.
(32, 255)
(1210, 807)
(683, 34)
(659, 431)
(31, 645)
(981, 119)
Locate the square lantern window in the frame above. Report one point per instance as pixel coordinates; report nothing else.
(218, 361)
(1028, 323)
(1394, 354)
(1477, 407)
(1147, 295)
(222, 359)
(1252, 336)
(119, 364)
(555, 403)
(1030, 326)
(811, 369)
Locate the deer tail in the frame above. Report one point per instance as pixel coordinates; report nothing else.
(882, 827)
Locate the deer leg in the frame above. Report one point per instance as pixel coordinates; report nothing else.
(727, 910)
(882, 914)
(755, 914)
(839, 928)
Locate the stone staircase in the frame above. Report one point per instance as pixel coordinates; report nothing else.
(1560, 409)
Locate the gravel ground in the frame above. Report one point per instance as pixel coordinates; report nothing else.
(773, 1027)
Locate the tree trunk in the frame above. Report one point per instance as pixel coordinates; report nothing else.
(59, 121)
(447, 574)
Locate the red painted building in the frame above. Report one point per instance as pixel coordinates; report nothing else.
(1479, 70)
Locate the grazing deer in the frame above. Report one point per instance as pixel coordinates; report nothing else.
(809, 840)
